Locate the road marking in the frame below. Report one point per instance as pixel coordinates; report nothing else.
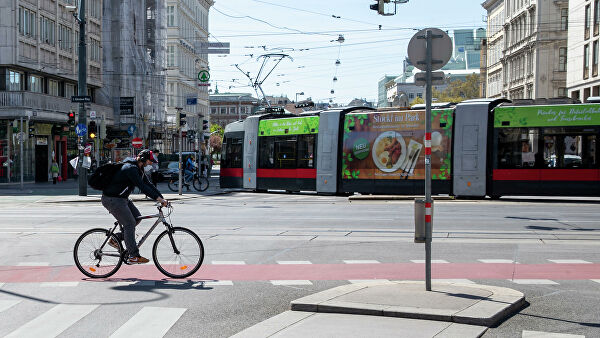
(498, 261)
(291, 282)
(150, 322)
(595, 280)
(540, 334)
(33, 264)
(213, 283)
(358, 261)
(569, 261)
(54, 321)
(421, 261)
(1, 285)
(58, 284)
(137, 283)
(293, 262)
(534, 281)
(355, 281)
(7, 304)
(458, 281)
(228, 263)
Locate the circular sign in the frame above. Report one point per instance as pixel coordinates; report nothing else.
(136, 142)
(361, 148)
(203, 75)
(441, 48)
(88, 149)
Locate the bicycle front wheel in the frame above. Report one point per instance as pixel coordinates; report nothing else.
(179, 257)
(174, 184)
(95, 260)
(201, 183)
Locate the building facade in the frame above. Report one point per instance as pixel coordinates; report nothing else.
(382, 91)
(187, 29)
(38, 76)
(582, 76)
(229, 107)
(527, 48)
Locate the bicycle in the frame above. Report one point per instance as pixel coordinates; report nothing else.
(96, 259)
(200, 182)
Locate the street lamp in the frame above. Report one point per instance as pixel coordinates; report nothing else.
(301, 93)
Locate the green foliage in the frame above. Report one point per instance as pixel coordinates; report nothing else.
(459, 90)
(215, 127)
(417, 100)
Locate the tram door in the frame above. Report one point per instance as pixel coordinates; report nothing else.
(41, 163)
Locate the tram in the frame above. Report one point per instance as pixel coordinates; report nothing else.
(480, 148)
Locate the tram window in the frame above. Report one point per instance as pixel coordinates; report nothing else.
(231, 157)
(570, 148)
(306, 151)
(285, 152)
(266, 155)
(517, 148)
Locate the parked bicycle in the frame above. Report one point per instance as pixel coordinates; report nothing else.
(199, 181)
(177, 252)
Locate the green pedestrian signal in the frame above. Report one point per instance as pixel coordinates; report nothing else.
(203, 76)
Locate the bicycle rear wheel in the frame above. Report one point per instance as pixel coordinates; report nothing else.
(95, 260)
(182, 260)
(201, 183)
(174, 184)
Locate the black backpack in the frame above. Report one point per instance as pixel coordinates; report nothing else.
(100, 179)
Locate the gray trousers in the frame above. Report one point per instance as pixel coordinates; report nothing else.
(125, 213)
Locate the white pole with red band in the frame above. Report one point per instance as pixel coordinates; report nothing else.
(428, 200)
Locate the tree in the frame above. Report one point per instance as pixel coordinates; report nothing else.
(216, 143)
(417, 100)
(459, 90)
(215, 127)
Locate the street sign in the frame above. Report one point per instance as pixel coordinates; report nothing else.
(131, 129)
(441, 49)
(137, 142)
(203, 75)
(213, 47)
(88, 149)
(92, 114)
(191, 101)
(81, 99)
(81, 129)
(126, 104)
(437, 78)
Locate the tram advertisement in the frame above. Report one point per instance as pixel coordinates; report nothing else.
(390, 145)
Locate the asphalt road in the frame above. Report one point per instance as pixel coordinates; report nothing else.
(264, 250)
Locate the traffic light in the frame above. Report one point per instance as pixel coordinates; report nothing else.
(181, 119)
(71, 119)
(204, 124)
(191, 135)
(31, 132)
(92, 129)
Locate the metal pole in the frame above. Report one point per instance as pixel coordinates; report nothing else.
(82, 84)
(21, 149)
(180, 150)
(428, 201)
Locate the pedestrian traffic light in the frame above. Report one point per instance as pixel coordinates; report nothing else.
(204, 124)
(31, 132)
(71, 119)
(181, 119)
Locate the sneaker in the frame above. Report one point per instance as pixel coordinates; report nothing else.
(113, 243)
(137, 260)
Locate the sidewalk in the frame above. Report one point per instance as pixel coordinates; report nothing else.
(394, 309)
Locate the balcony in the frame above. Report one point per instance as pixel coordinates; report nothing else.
(14, 104)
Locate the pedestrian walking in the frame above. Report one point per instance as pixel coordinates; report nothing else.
(54, 171)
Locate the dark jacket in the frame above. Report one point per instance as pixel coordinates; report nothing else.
(126, 179)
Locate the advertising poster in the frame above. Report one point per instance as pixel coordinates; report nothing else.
(390, 145)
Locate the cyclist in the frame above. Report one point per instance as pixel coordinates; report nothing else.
(115, 198)
(189, 169)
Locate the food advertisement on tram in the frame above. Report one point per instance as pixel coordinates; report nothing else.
(391, 145)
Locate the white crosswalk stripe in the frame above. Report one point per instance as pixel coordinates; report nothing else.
(53, 322)
(213, 283)
(7, 304)
(540, 334)
(595, 280)
(149, 322)
(291, 282)
(534, 281)
(569, 261)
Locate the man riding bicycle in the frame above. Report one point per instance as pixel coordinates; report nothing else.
(115, 198)
(190, 167)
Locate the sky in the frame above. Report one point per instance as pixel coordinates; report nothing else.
(309, 30)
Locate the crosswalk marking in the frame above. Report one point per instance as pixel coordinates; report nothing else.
(58, 284)
(291, 282)
(33, 264)
(595, 280)
(421, 261)
(137, 283)
(355, 281)
(294, 262)
(358, 261)
(534, 281)
(1, 285)
(228, 262)
(456, 280)
(540, 334)
(54, 321)
(7, 304)
(213, 283)
(569, 261)
(149, 322)
(498, 261)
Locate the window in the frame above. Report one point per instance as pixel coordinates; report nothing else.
(562, 92)
(223, 110)
(65, 36)
(94, 48)
(306, 151)
(47, 30)
(586, 61)
(285, 152)
(213, 110)
(570, 147)
(596, 16)
(27, 22)
(35, 84)
(53, 87)
(14, 80)
(587, 19)
(231, 155)
(562, 59)
(69, 90)
(171, 56)
(517, 148)
(564, 19)
(171, 16)
(595, 59)
(232, 111)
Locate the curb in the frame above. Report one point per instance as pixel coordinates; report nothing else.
(396, 198)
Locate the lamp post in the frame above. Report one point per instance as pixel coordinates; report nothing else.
(301, 93)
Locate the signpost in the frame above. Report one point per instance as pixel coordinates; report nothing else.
(81, 129)
(81, 99)
(428, 50)
(137, 142)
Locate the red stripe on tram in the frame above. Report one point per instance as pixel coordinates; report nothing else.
(232, 172)
(287, 173)
(546, 174)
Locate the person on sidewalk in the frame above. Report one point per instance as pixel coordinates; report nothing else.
(115, 198)
(154, 175)
(54, 171)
